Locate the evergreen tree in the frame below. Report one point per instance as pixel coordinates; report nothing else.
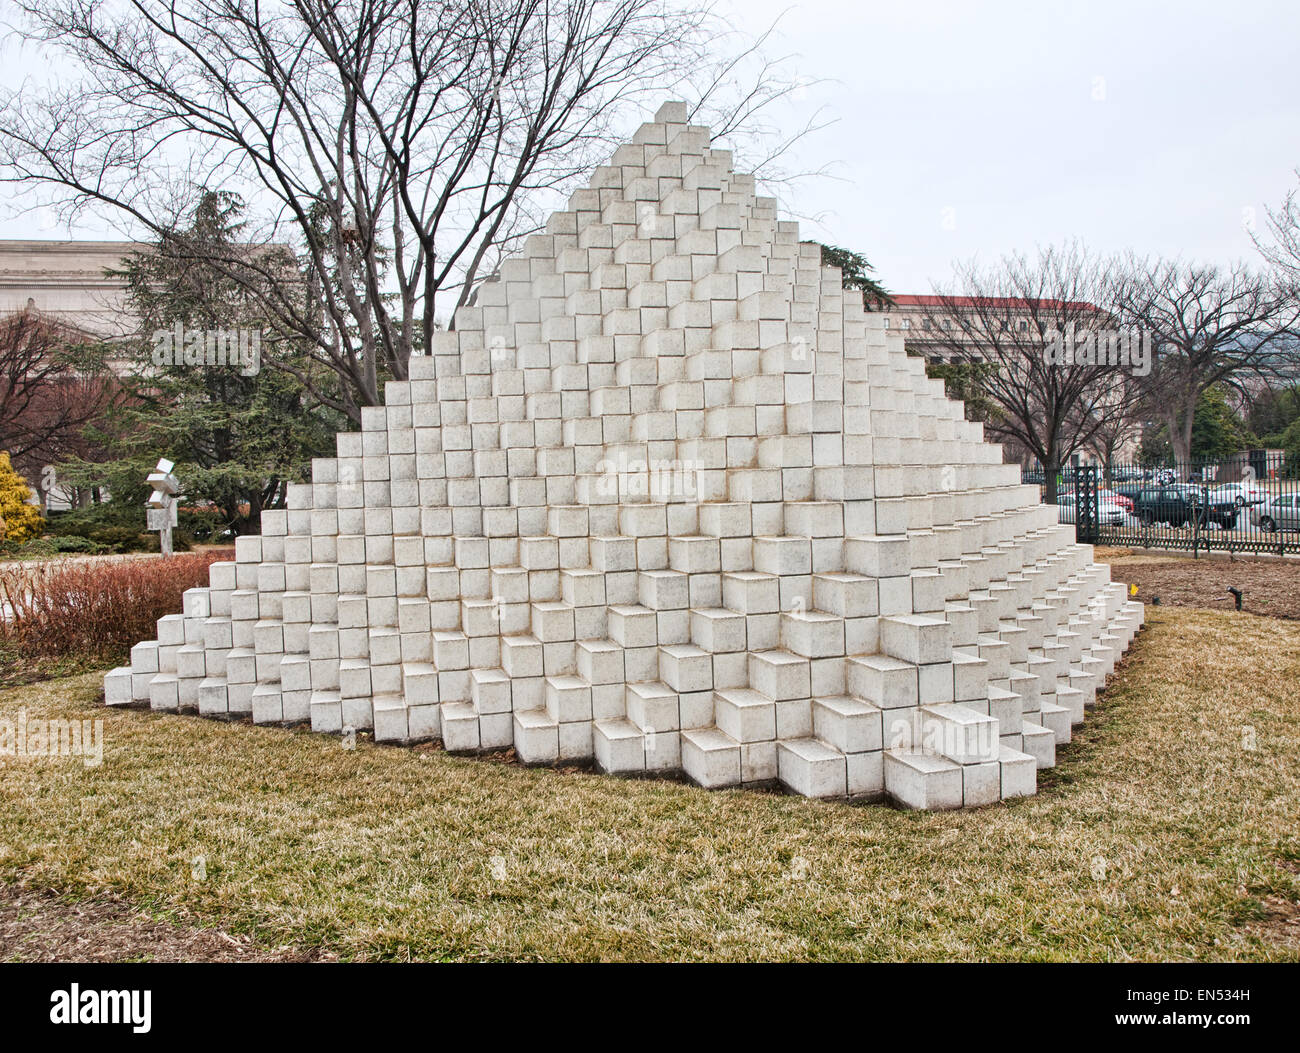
(1218, 432)
(19, 520)
(857, 273)
(202, 390)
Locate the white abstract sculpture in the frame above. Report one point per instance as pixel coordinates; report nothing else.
(667, 499)
(160, 507)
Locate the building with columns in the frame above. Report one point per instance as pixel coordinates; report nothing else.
(67, 281)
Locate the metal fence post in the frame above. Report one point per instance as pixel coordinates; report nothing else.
(1087, 513)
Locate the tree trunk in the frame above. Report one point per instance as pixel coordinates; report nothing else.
(1180, 438)
(1051, 466)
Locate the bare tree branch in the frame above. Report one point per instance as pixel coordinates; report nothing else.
(397, 146)
(1004, 318)
(1210, 326)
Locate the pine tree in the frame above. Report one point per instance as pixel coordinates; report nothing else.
(856, 272)
(239, 431)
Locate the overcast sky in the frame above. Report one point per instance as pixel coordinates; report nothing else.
(966, 128)
(971, 128)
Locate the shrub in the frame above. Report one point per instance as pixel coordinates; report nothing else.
(18, 519)
(74, 544)
(47, 546)
(32, 548)
(84, 521)
(119, 538)
(120, 527)
(94, 610)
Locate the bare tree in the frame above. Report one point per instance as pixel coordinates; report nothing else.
(1012, 323)
(1117, 430)
(1209, 326)
(1281, 244)
(52, 385)
(398, 145)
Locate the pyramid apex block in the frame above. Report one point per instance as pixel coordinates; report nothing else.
(672, 113)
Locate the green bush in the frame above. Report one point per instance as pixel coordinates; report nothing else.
(75, 544)
(50, 545)
(121, 539)
(59, 524)
(121, 529)
(32, 548)
(82, 522)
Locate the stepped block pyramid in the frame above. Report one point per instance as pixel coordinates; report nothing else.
(667, 499)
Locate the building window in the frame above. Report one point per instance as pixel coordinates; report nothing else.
(886, 323)
(906, 323)
(1024, 326)
(925, 323)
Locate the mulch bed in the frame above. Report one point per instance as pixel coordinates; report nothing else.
(41, 927)
(1271, 587)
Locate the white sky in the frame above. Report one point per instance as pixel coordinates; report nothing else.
(988, 109)
(965, 128)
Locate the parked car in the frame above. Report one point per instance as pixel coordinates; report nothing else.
(1108, 512)
(1116, 498)
(1106, 495)
(1242, 494)
(1180, 505)
(1130, 489)
(1277, 513)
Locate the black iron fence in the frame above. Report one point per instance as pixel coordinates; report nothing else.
(1246, 503)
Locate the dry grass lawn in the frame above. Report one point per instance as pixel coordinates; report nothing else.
(1159, 836)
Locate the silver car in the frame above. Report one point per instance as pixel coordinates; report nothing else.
(1241, 494)
(1278, 513)
(1108, 512)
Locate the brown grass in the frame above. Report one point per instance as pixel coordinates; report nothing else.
(1158, 837)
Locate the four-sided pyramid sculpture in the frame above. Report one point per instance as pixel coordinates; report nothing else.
(667, 499)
